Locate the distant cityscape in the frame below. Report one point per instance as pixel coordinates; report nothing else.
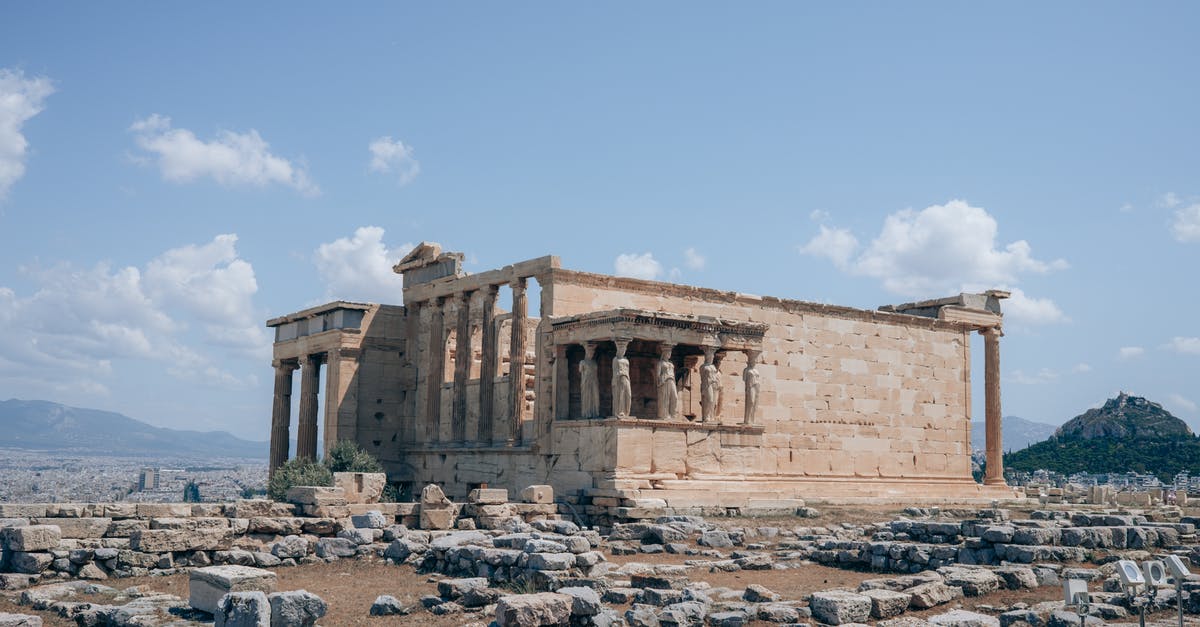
(57, 477)
(1120, 481)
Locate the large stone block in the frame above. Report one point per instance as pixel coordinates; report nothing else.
(207, 585)
(29, 563)
(488, 496)
(243, 609)
(77, 528)
(297, 608)
(361, 487)
(19, 620)
(837, 607)
(164, 510)
(440, 518)
(533, 610)
(316, 495)
(541, 494)
(164, 540)
(32, 537)
(22, 510)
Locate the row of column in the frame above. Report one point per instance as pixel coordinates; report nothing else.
(666, 383)
(281, 409)
(510, 431)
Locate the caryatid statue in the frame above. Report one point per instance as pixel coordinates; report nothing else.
(589, 383)
(710, 386)
(753, 382)
(668, 393)
(719, 406)
(622, 392)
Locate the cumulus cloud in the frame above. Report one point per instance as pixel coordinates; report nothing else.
(391, 156)
(359, 268)
(1184, 345)
(79, 323)
(1130, 352)
(643, 266)
(693, 259)
(938, 250)
(230, 158)
(20, 99)
(1186, 226)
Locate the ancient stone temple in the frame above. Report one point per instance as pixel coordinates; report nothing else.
(698, 397)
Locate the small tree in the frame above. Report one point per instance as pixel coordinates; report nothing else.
(295, 472)
(191, 492)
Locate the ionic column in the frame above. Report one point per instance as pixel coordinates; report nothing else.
(994, 473)
(436, 371)
(462, 368)
(310, 384)
(516, 361)
(487, 366)
(281, 413)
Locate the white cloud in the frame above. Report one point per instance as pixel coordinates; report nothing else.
(1126, 208)
(1182, 403)
(230, 158)
(939, 250)
(1169, 199)
(1130, 352)
(643, 266)
(1023, 308)
(391, 155)
(1185, 345)
(694, 260)
(20, 99)
(79, 325)
(1186, 227)
(818, 215)
(1082, 368)
(837, 245)
(359, 268)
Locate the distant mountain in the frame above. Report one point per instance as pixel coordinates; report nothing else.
(1125, 417)
(1017, 433)
(1126, 433)
(43, 425)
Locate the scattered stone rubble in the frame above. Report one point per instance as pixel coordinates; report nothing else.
(519, 565)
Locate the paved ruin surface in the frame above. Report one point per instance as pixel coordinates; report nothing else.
(678, 570)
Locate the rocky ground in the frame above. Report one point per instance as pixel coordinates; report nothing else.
(673, 571)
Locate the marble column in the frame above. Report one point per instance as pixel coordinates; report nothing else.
(435, 373)
(994, 473)
(310, 384)
(516, 361)
(281, 413)
(463, 355)
(487, 367)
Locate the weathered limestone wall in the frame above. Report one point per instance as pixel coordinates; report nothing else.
(851, 395)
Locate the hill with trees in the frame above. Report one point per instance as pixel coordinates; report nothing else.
(1128, 433)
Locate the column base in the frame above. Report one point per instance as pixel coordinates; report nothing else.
(994, 481)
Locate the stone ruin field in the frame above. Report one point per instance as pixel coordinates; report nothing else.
(257, 563)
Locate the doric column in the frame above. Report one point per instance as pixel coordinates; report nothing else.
(462, 368)
(310, 384)
(994, 473)
(516, 361)
(487, 366)
(281, 413)
(436, 370)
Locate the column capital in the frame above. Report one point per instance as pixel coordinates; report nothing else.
(994, 331)
(290, 363)
(518, 285)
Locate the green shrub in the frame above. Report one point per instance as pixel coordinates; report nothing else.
(346, 456)
(297, 472)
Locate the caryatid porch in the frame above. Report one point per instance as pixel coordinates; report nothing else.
(636, 364)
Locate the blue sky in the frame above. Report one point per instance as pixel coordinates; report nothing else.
(172, 176)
